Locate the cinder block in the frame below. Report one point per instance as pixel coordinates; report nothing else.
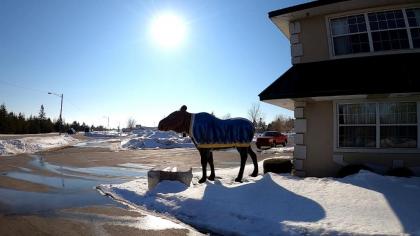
(300, 125)
(299, 152)
(156, 175)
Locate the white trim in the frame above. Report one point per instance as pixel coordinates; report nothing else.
(378, 128)
(418, 124)
(338, 149)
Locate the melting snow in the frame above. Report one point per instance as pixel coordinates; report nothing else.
(34, 144)
(365, 203)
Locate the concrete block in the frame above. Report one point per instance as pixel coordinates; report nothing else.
(299, 139)
(299, 112)
(155, 175)
(299, 152)
(300, 125)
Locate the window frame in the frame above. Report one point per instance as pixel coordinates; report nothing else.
(378, 148)
(328, 19)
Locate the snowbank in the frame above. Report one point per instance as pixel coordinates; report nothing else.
(152, 138)
(104, 134)
(34, 144)
(279, 150)
(365, 203)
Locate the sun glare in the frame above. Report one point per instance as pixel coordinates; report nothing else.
(168, 30)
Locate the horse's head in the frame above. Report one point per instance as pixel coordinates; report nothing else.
(177, 121)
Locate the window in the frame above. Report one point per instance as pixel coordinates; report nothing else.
(357, 125)
(378, 125)
(413, 17)
(398, 125)
(388, 30)
(350, 35)
(376, 31)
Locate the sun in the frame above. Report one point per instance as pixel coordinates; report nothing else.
(168, 30)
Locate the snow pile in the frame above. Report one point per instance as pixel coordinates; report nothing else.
(279, 150)
(34, 144)
(365, 203)
(105, 134)
(152, 138)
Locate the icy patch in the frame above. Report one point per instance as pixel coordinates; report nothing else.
(34, 144)
(285, 205)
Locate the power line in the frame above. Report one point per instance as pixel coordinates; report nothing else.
(22, 87)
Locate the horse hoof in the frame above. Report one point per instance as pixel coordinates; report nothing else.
(254, 174)
(211, 177)
(202, 180)
(238, 180)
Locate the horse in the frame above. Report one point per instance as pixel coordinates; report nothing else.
(209, 133)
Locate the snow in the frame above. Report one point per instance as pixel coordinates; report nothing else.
(279, 150)
(104, 134)
(153, 138)
(34, 144)
(272, 204)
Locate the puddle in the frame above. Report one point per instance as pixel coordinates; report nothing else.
(110, 171)
(72, 187)
(57, 182)
(20, 202)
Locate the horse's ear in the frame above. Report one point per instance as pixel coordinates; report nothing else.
(183, 108)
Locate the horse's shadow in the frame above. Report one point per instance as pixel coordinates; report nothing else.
(264, 203)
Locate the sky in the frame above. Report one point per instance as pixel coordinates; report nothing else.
(103, 56)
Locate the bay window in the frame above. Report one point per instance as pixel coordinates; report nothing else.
(377, 125)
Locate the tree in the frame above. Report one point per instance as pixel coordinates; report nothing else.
(42, 115)
(131, 123)
(226, 116)
(3, 118)
(281, 124)
(255, 113)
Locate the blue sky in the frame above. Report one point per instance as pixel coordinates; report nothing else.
(101, 56)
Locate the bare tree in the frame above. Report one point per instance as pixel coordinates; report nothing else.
(255, 113)
(281, 123)
(227, 116)
(131, 123)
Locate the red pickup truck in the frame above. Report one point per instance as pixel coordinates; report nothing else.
(271, 139)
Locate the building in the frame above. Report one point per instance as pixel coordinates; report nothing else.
(354, 84)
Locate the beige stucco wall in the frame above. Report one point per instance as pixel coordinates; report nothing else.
(319, 140)
(314, 39)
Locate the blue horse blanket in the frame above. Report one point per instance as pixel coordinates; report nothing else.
(207, 131)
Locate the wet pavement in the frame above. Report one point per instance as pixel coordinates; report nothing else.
(55, 192)
(71, 189)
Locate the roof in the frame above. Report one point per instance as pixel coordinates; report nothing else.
(397, 73)
(303, 6)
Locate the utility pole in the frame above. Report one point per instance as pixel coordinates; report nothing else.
(61, 110)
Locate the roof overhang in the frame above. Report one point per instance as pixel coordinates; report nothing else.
(289, 104)
(361, 76)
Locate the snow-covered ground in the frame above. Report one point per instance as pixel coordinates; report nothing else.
(271, 204)
(34, 144)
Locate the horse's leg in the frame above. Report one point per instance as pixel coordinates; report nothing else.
(210, 160)
(254, 161)
(244, 155)
(204, 156)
